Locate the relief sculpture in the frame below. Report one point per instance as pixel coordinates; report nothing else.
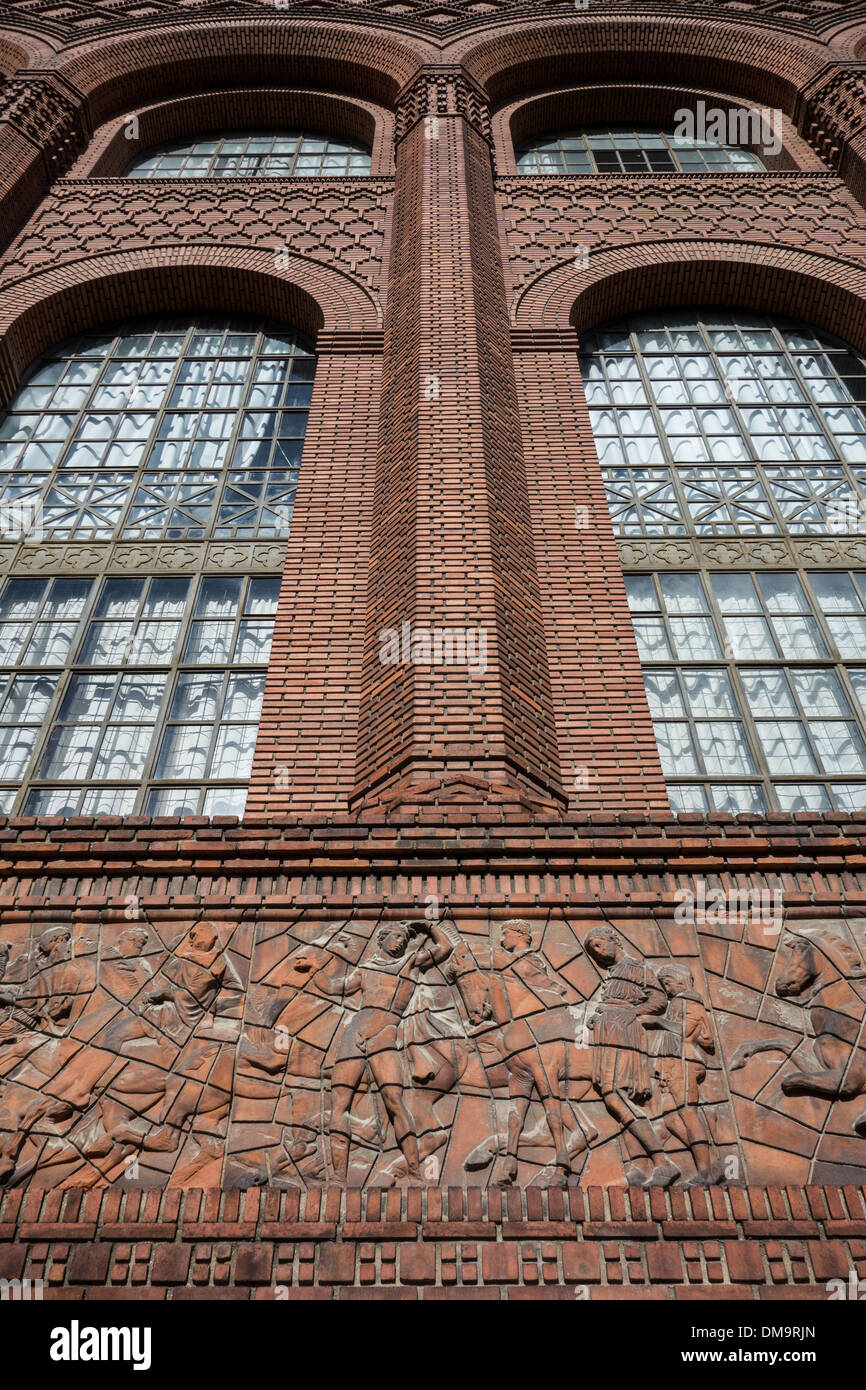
(300, 1050)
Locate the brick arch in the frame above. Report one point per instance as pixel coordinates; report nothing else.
(21, 51)
(236, 108)
(133, 69)
(795, 284)
(848, 40)
(314, 299)
(593, 104)
(747, 59)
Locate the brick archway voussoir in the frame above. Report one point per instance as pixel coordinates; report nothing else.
(317, 300)
(750, 61)
(824, 292)
(135, 69)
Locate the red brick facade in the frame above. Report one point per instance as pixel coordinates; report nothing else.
(376, 788)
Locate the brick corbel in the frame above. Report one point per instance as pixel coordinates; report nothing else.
(49, 113)
(444, 91)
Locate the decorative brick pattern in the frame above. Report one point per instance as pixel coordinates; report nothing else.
(546, 218)
(531, 793)
(333, 221)
(592, 1245)
(47, 115)
(442, 92)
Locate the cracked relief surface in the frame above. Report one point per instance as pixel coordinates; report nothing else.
(295, 1051)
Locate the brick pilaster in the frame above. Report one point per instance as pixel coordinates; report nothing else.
(452, 543)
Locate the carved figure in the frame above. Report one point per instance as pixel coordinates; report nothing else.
(621, 1067)
(685, 1040)
(539, 1052)
(809, 975)
(369, 1043)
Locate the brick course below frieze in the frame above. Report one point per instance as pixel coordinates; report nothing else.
(533, 1007)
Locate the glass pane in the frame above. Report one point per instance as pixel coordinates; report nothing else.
(783, 593)
(652, 639)
(799, 638)
(683, 593)
(684, 797)
(835, 593)
(737, 800)
(839, 745)
(735, 593)
(849, 634)
(184, 751)
(676, 749)
(695, 638)
(663, 694)
(786, 747)
(710, 694)
(641, 593)
(724, 748)
(197, 698)
(749, 639)
(171, 801)
(820, 693)
(767, 693)
(225, 801)
(808, 796)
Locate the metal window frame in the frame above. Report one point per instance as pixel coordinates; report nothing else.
(257, 327)
(834, 661)
(187, 149)
(172, 670)
(531, 148)
(638, 355)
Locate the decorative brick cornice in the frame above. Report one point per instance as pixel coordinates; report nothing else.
(834, 110)
(442, 92)
(430, 16)
(46, 113)
(453, 1243)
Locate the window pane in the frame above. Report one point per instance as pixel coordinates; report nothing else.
(630, 151)
(128, 721)
(786, 747)
(253, 154)
(106, 472)
(676, 749)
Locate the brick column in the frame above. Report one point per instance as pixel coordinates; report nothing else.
(452, 542)
(43, 127)
(607, 745)
(305, 754)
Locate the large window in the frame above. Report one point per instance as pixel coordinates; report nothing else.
(160, 430)
(630, 152)
(757, 687)
(727, 425)
(126, 695)
(254, 154)
(142, 694)
(732, 424)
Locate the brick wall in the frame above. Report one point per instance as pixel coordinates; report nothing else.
(375, 787)
(595, 1245)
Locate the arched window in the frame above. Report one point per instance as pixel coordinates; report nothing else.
(254, 154)
(165, 430)
(723, 425)
(630, 152)
(124, 694)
